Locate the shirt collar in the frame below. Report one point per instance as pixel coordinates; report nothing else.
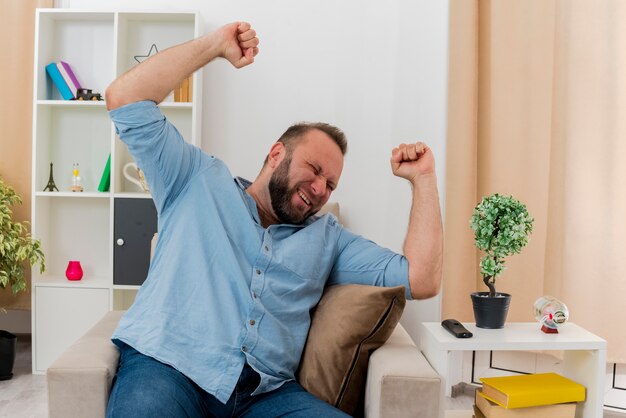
(243, 184)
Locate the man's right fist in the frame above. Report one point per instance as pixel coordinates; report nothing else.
(240, 44)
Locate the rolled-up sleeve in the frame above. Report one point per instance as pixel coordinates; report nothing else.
(361, 261)
(158, 149)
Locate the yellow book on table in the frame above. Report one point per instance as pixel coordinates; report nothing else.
(489, 409)
(531, 390)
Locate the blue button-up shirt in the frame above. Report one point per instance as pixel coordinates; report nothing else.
(222, 290)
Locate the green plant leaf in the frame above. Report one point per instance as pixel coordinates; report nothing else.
(502, 226)
(17, 249)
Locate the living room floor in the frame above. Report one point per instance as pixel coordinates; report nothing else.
(25, 396)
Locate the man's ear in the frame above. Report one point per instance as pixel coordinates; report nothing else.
(276, 155)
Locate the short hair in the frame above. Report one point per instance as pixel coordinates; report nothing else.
(294, 134)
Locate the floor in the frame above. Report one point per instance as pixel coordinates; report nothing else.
(25, 396)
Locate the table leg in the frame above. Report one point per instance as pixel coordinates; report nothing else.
(587, 367)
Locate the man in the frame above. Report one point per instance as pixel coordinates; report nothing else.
(219, 325)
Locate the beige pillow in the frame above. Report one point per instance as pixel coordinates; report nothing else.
(348, 324)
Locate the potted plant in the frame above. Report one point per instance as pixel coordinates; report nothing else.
(501, 227)
(16, 250)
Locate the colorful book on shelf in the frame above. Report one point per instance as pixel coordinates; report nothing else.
(69, 77)
(531, 390)
(490, 409)
(105, 180)
(59, 82)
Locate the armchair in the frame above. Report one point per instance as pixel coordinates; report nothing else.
(400, 382)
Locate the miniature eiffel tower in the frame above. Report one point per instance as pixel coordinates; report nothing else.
(51, 186)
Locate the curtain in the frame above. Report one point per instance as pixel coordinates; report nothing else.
(537, 98)
(17, 37)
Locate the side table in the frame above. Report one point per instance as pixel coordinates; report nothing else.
(584, 354)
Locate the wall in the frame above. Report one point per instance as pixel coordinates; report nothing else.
(17, 23)
(376, 69)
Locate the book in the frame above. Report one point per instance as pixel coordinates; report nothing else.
(489, 409)
(69, 77)
(58, 81)
(184, 97)
(105, 180)
(531, 390)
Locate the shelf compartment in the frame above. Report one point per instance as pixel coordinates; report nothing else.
(73, 229)
(63, 315)
(137, 32)
(72, 37)
(71, 134)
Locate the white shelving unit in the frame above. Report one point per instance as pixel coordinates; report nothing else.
(79, 226)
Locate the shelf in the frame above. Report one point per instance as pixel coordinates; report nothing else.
(125, 287)
(74, 195)
(132, 195)
(62, 281)
(175, 105)
(99, 103)
(102, 103)
(99, 46)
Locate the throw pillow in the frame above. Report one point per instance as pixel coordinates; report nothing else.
(348, 324)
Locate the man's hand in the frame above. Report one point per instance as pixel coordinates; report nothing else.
(156, 77)
(239, 43)
(410, 161)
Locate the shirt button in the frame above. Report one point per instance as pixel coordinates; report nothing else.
(254, 295)
(244, 349)
(258, 271)
(252, 322)
(267, 248)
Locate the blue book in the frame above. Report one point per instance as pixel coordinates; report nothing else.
(57, 78)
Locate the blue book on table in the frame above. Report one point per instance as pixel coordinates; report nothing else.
(57, 78)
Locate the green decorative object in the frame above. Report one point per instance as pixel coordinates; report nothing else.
(16, 245)
(501, 227)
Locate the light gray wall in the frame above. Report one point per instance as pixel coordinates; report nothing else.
(377, 69)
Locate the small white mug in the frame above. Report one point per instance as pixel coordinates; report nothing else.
(136, 176)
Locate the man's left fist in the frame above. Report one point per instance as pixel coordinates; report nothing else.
(410, 161)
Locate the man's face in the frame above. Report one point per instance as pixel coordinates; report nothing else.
(303, 181)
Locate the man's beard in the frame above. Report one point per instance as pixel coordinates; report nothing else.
(281, 194)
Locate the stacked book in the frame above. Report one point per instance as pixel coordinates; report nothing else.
(64, 79)
(183, 92)
(544, 395)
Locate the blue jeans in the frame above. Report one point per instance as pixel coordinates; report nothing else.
(145, 387)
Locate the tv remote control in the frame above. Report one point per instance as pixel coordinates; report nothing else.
(455, 328)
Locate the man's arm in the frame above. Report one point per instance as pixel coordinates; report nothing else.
(423, 245)
(157, 76)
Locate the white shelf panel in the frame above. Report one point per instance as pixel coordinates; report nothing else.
(125, 287)
(80, 103)
(74, 195)
(176, 105)
(62, 281)
(131, 195)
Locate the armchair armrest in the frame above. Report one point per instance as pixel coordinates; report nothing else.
(79, 381)
(401, 382)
